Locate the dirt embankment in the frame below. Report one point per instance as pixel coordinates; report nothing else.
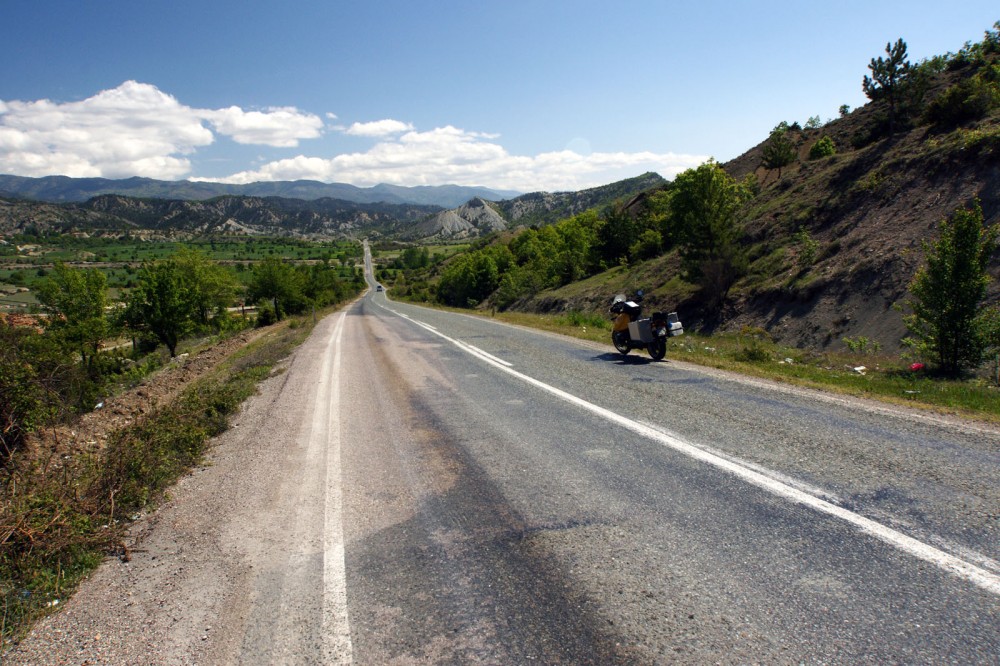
(90, 432)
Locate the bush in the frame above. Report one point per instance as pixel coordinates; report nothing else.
(824, 147)
(808, 249)
(58, 527)
(23, 398)
(266, 314)
(753, 345)
(969, 100)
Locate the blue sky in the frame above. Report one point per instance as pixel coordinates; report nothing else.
(522, 95)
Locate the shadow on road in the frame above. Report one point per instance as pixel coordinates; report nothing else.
(631, 359)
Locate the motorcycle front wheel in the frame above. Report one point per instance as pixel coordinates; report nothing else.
(621, 342)
(658, 348)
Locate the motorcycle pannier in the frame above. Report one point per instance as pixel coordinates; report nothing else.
(640, 330)
(674, 326)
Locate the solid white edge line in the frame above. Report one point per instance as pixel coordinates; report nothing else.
(939, 558)
(490, 356)
(337, 646)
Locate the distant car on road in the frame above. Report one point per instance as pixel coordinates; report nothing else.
(378, 288)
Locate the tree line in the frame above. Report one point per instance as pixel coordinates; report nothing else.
(698, 215)
(64, 366)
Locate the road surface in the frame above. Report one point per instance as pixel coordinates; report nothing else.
(428, 487)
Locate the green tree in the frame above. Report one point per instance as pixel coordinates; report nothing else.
(617, 235)
(415, 257)
(24, 401)
(949, 320)
(160, 304)
(472, 277)
(577, 247)
(210, 287)
(280, 284)
(888, 78)
(705, 208)
(779, 151)
(970, 99)
(77, 299)
(648, 246)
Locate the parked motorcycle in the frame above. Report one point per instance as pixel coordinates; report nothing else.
(630, 331)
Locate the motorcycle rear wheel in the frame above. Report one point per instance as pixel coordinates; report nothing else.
(658, 348)
(621, 343)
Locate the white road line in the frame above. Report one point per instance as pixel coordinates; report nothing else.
(939, 558)
(337, 648)
(490, 356)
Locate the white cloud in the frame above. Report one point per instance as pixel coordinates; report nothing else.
(138, 130)
(279, 127)
(378, 128)
(448, 155)
(132, 130)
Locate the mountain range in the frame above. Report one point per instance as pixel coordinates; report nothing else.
(63, 189)
(324, 217)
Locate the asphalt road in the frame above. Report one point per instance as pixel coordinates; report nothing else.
(426, 487)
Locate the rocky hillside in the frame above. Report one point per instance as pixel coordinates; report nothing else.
(540, 208)
(480, 217)
(834, 241)
(316, 218)
(477, 217)
(868, 208)
(116, 214)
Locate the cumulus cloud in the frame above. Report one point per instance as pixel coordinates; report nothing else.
(449, 155)
(279, 127)
(378, 128)
(138, 130)
(134, 129)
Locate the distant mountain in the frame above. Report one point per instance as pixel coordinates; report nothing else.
(479, 217)
(474, 218)
(112, 214)
(62, 189)
(269, 214)
(540, 208)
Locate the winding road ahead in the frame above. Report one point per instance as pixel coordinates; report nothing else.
(427, 487)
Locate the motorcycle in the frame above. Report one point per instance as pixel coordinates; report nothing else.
(630, 331)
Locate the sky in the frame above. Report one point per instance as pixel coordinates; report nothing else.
(522, 95)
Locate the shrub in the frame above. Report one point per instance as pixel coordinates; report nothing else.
(266, 314)
(824, 147)
(969, 100)
(753, 342)
(808, 249)
(862, 345)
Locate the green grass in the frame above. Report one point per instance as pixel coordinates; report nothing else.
(884, 378)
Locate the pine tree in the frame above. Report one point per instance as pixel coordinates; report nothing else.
(779, 150)
(888, 77)
(949, 320)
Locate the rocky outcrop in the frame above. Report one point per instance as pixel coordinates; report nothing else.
(474, 218)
